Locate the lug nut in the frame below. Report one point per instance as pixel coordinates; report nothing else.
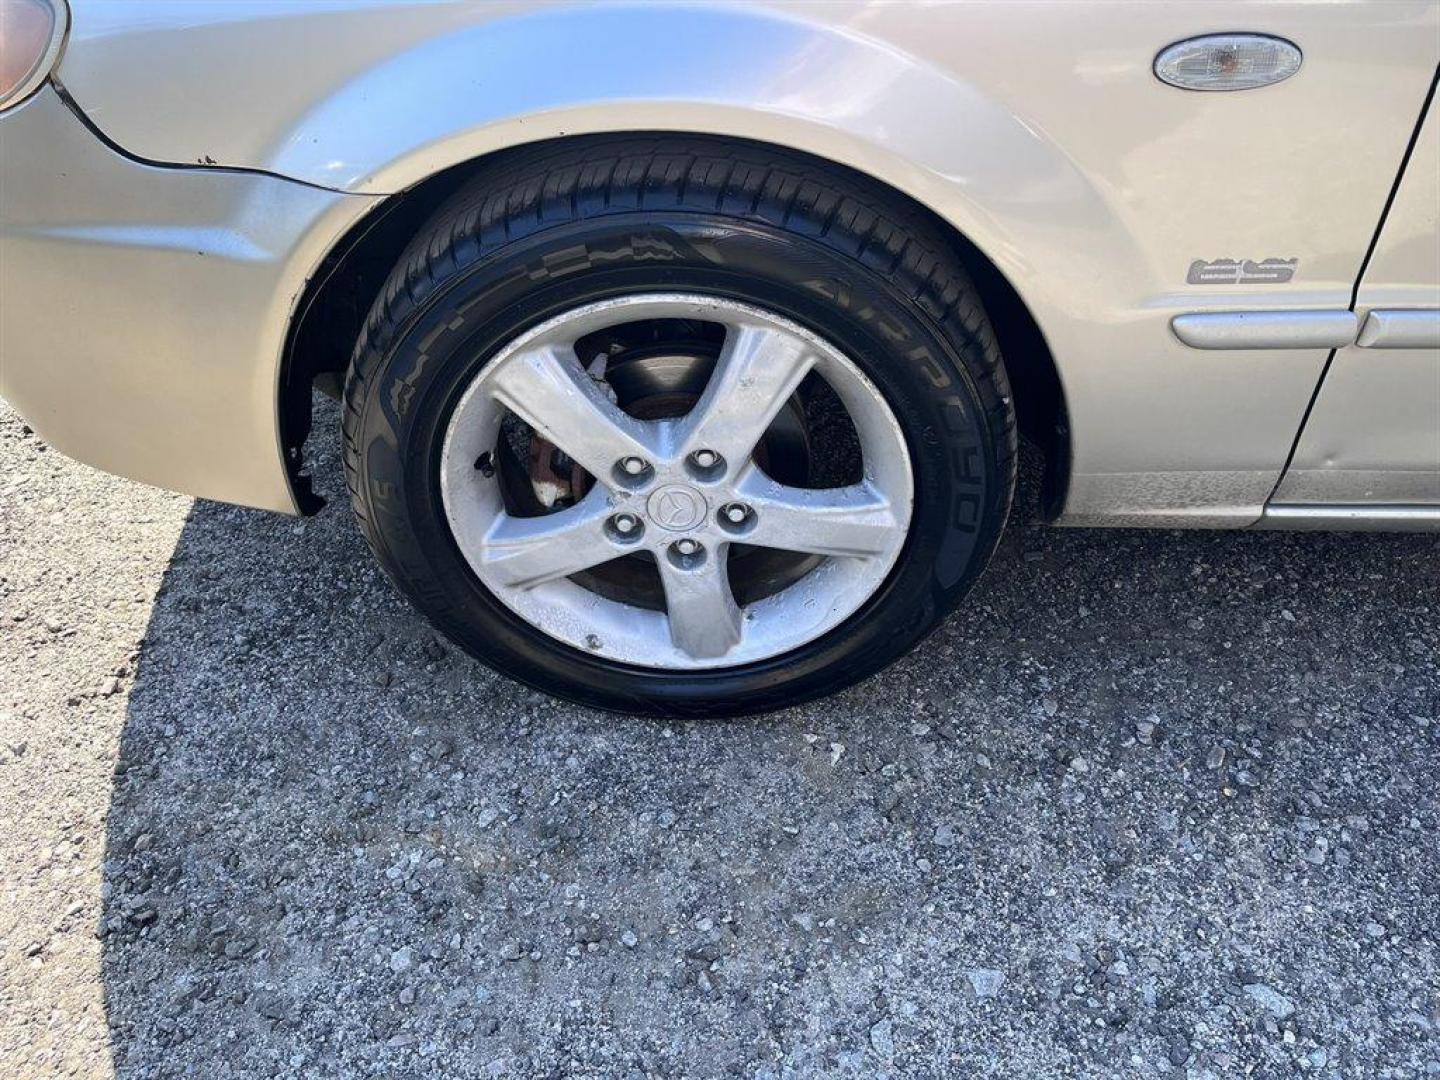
(624, 528)
(632, 466)
(735, 513)
(687, 547)
(705, 464)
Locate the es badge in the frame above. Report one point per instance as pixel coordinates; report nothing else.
(1241, 271)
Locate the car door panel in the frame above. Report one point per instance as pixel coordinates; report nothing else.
(1373, 434)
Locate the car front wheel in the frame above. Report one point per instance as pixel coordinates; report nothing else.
(674, 426)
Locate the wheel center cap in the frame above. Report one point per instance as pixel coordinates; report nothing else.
(676, 507)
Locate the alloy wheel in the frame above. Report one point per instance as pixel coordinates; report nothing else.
(562, 494)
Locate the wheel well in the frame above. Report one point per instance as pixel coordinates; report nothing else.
(337, 298)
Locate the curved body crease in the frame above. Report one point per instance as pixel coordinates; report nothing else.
(1037, 130)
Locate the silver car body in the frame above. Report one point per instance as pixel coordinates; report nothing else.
(164, 201)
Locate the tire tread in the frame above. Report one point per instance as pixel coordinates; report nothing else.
(553, 185)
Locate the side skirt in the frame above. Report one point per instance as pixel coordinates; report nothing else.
(1352, 518)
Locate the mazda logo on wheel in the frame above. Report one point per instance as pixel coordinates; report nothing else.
(676, 507)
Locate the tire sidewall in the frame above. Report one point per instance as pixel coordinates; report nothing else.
(430, 358)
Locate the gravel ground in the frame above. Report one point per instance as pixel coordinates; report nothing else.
(1153, 805)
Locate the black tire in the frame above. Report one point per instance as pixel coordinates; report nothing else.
(554, 227)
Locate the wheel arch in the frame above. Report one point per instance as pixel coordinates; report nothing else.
(331, 313)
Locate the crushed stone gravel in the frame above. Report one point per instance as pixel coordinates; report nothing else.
(1152, 804)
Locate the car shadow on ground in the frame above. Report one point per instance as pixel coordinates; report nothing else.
(1149, 799)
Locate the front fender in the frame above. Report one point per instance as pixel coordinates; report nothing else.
(1036, 129)
(311, 96)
